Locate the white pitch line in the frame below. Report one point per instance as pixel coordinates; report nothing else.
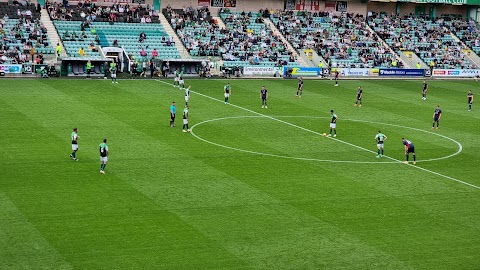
(314, 132)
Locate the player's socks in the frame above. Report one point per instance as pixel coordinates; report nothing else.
(104, 165)
(378, 152)
(407, 156)
(382, 152)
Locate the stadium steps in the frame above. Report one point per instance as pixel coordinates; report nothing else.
(290, 48)
(52, 31)
(171, 33)
(406, 64)
(103, 39)
(469, 53)
(220, 22)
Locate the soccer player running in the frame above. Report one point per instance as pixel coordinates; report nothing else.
(103, 148)
(300, 87)
(436, 116)
(75, 138)
(359, 97)
(470, 100)
(264, 97)
(424, 91)
(185, 120)
(333, 124)
(227, 91)
(113, 73)
(337, 75)
(173, 112)
(187, 94)
(380, 138)
(409, 149)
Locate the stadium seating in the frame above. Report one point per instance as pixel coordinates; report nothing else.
(430, 40)
(20, 31)
(245, 41)
(125, 35)
(467, 32)
(342, 40)
(109, 32)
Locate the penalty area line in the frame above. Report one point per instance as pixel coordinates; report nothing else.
(338, 140)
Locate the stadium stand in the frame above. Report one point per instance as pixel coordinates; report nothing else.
(136, 29)
(245, 41)
(343, 41)
(430, 40)
(467, 32)
(23, 36)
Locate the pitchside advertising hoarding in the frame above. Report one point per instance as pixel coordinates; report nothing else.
(262, 71)
(401, 72)
(303, 71)
(11, 68)
(456, 72)
(358, 72)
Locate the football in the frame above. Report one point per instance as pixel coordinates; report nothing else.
(324, 134)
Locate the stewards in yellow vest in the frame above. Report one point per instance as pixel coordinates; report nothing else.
(394, 63)
(320, 65)
(58, 49)
(418, 65)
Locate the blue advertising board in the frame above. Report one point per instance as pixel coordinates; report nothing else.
(303, 71)
(401, 72)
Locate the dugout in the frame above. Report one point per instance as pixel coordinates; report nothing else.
(190, 67)
(76, 66)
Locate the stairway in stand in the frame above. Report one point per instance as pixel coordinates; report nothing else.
(277, 32)
(169, 30)
(52, 31)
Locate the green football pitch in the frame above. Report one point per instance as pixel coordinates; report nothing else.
(248, 188)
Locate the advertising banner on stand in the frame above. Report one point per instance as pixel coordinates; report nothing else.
(401, 72)
(302, 71)
(259, 71)
(456, 72)
(358, 72)
(11, 68)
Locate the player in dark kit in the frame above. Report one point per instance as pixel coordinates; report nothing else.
(300, 87)
(436, 116)
(424, 91)
(359, 97)
(337, 74)
(264, 97)
(409, 148)
(470, 100)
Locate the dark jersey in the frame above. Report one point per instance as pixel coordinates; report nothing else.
(264, 93)
(359, 93)
(425, 87)
(103, 148)
(470, 97)
(334, 118)
(337, 74)
(408, 144)
(300, 84)
(437, 113)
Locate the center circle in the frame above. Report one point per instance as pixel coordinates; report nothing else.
(460, 147)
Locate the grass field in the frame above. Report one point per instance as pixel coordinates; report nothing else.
(249, 188)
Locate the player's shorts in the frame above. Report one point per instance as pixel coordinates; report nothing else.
(181, 82)
(411, 149)
(264, 98)
(226, 95)
(333, 125)
(435, 119)
(359, 98)
(172, 117)
(424, 91)
(185, 121)
(103, 159)
(176, 79)
(74, 147)
(114, 75)
(379, 145)
(187, 98)
(470, 102)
